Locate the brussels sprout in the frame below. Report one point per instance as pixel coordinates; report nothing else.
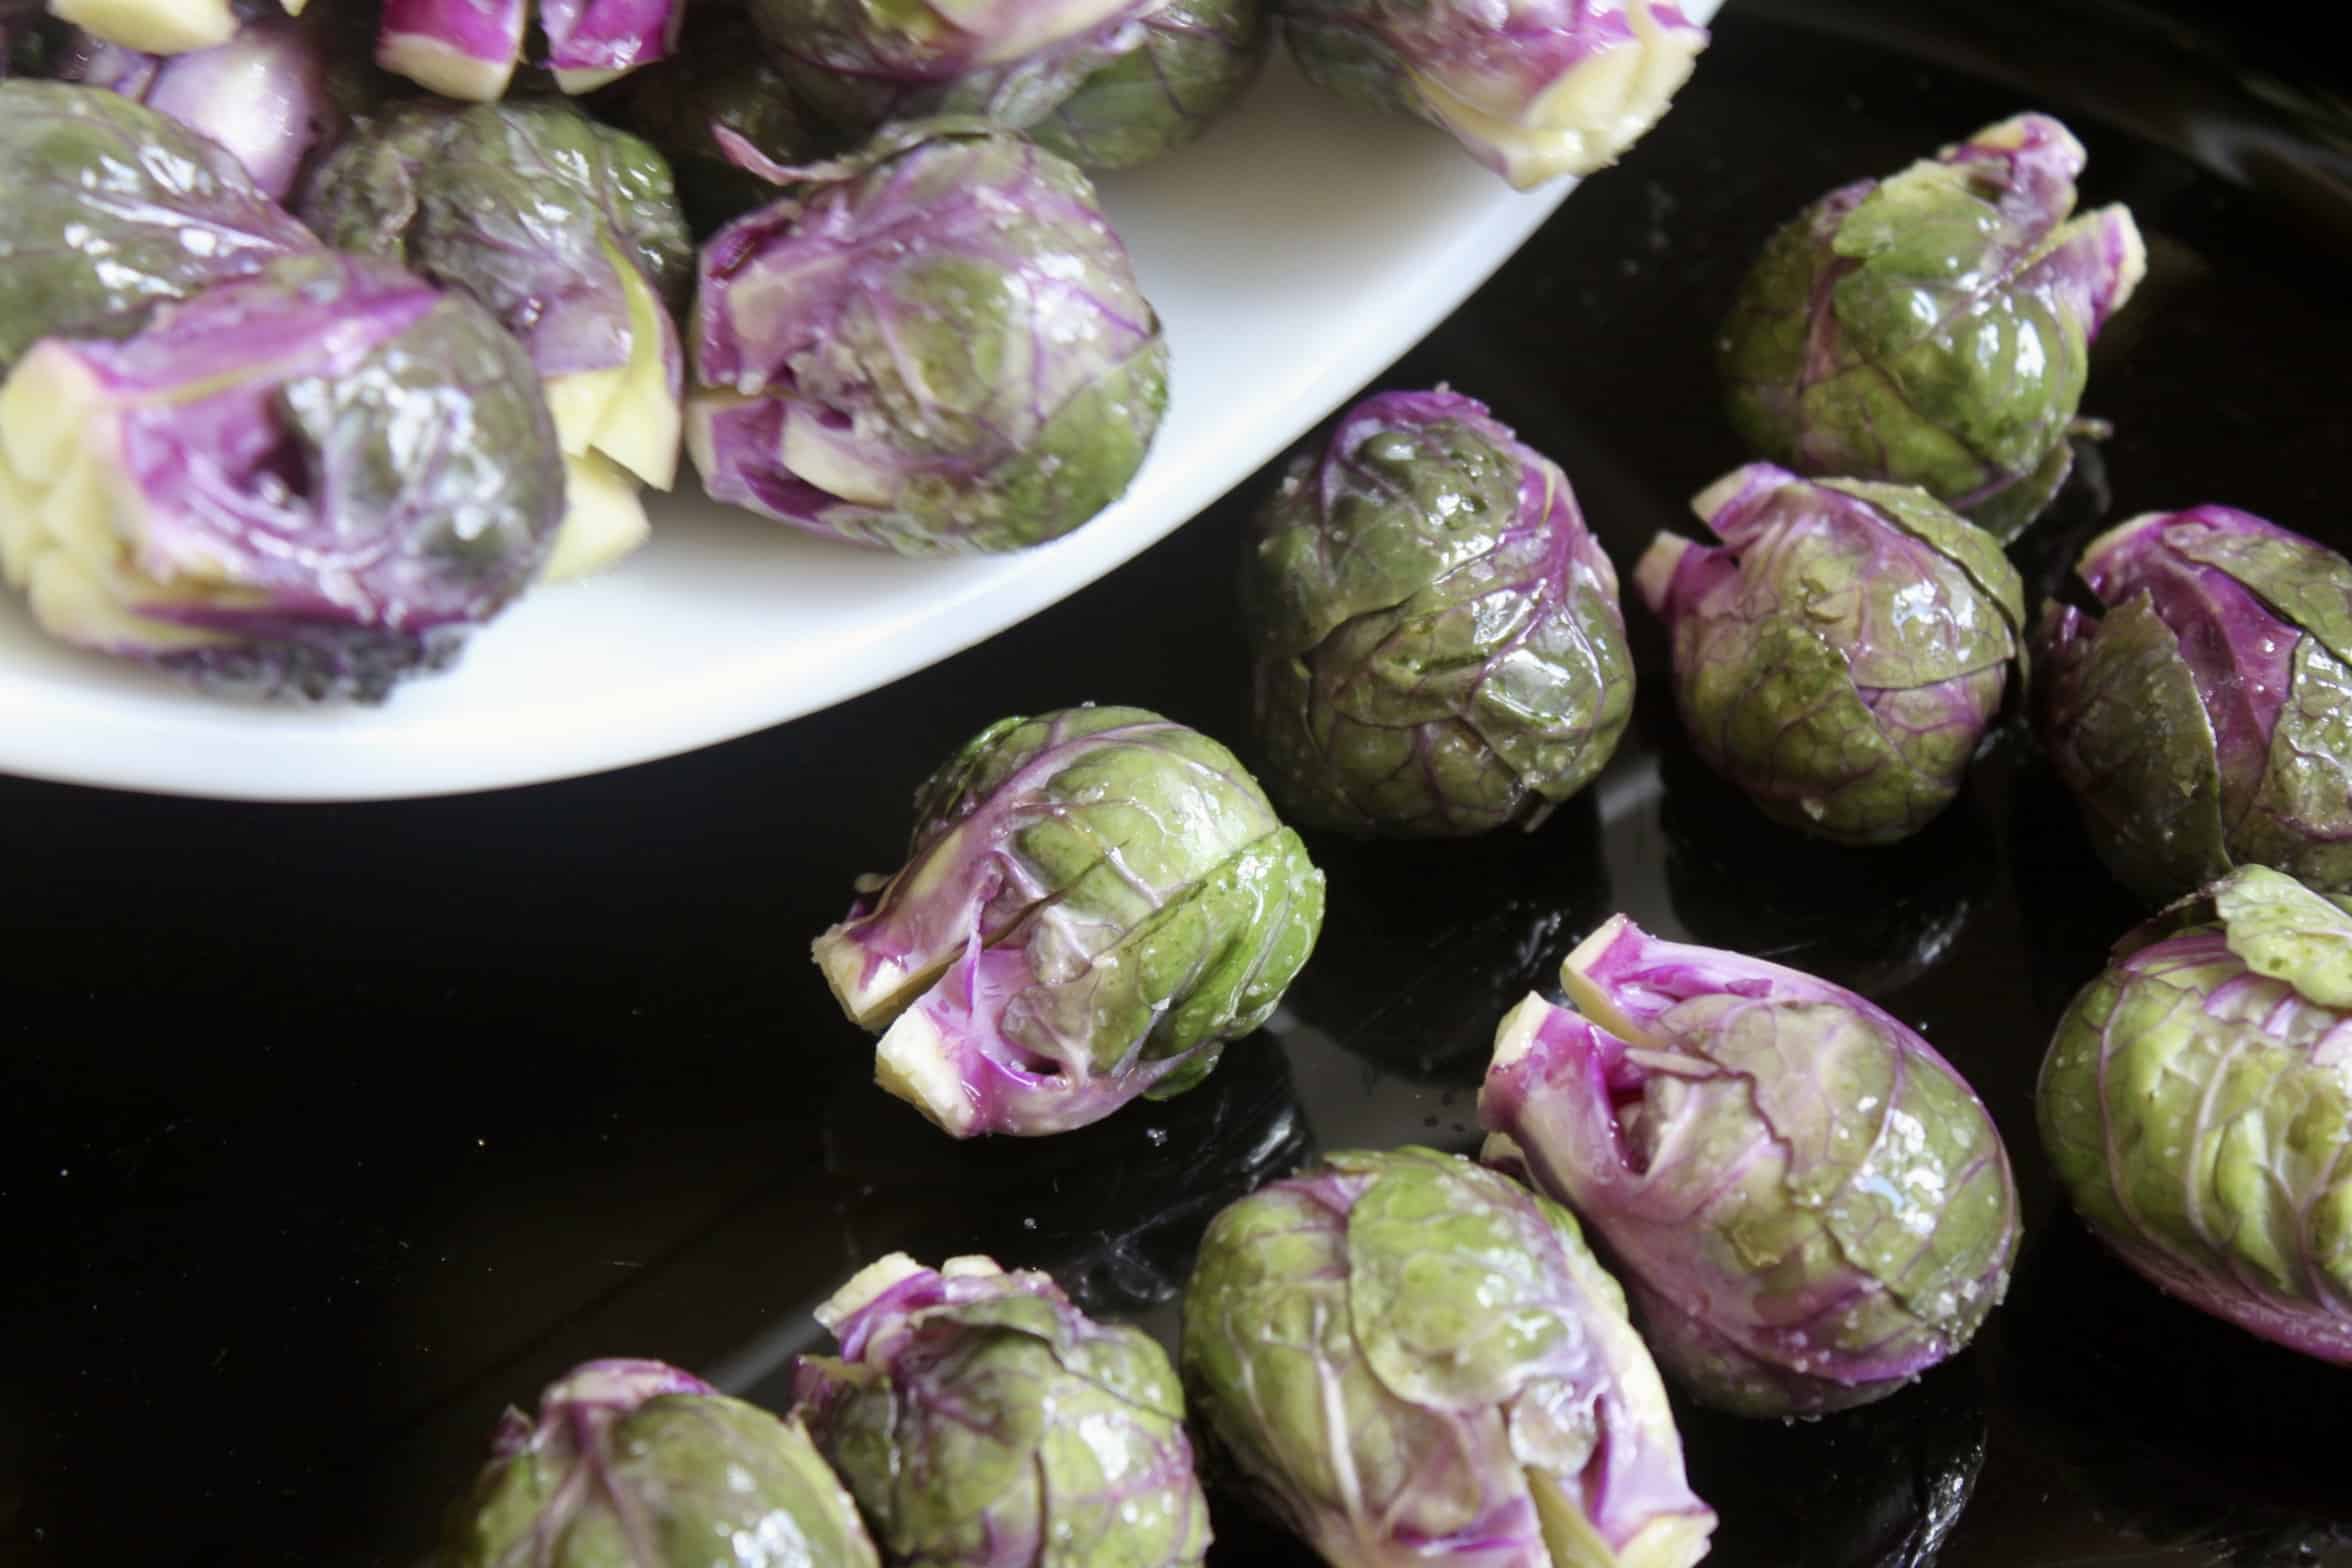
(633, 1464)
(470, 48)
(1934, 328)
(982, 1420)
(938, 345)
(1438, 645)
(2197, 1104)
(309, 483)
(2205, 721)
(720, 78)
(1094, 902)
(108, 209)
(570, 233)
(273, 95)
(1534, 89)
(1809, 1206)
(859, 66)
(1413, 1359)
(1193, 60)
(1844, 650)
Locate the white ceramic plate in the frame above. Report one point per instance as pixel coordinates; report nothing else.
(1293, 254)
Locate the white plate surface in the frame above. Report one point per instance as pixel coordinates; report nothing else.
(1293, 254)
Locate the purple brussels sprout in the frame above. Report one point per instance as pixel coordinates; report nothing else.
(1808, 1205)
(938, 345)
(1933, 328)
(569, 231)
(265, 95)
(634, 1464)
(1438, 647)
(1094, 903)
(1414, 1360)
(2204, 719)
(983, 1421)
(108, 209)
(2197, 1105)
(1534, 89)
(1842, 652)
(470, 49)
(307, 484)
(859, 66)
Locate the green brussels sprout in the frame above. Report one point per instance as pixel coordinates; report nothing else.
(1094, 902)
(1840, 656)
(1438, 644)
(1934, 328)
(983, 1421)
(569, 232)
(2197, 1105)
(935, 345)
(1412, 1359)
(109, 209)
(633, 1464)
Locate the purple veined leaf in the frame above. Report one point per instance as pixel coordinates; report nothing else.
(1094, 903)
(983, 1421)
(1409, 1358)
(1437, 643)
(1842, 653)
(307, 484)
(1533, 89)
(1932, 328)
(990, 388)
(2196, 1103)
(2201, 719)
(1808, 1205)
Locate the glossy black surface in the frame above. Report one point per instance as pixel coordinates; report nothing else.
(326, 1131)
